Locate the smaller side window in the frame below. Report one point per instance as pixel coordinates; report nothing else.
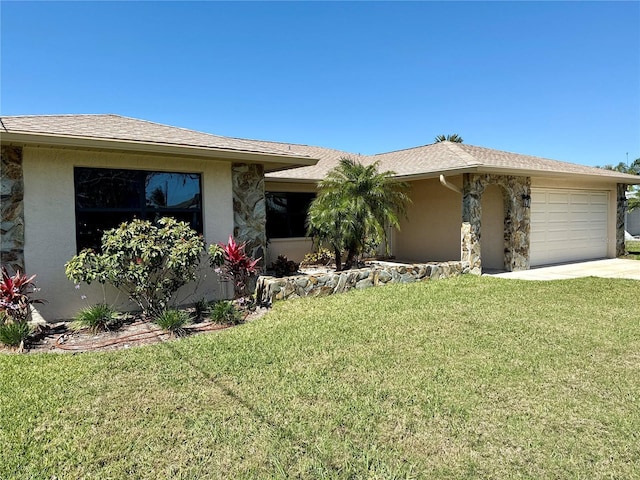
(287, 213)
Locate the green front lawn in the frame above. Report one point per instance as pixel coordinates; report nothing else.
(633, 247)
(472, 377)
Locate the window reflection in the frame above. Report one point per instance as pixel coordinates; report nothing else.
(107, 197)
(287, 213)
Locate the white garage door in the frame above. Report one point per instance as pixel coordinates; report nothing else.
(568, 225)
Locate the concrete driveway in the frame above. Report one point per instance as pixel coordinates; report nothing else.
(608, 268)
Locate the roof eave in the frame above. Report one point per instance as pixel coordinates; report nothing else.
(607, 177)
(272, 162)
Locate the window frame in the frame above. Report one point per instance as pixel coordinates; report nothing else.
(142, 211)
(310, 196)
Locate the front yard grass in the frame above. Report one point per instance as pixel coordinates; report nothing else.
(472, 377)
(633, 248)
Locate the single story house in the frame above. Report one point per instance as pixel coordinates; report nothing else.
(496, 209)
(66, 178)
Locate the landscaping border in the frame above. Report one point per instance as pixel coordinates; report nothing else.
(270, 289)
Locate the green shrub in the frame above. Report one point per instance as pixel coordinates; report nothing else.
(96, 317)
(322, 257)
(201, 309)
(12, 333)
(224, 311)
(173, 321)
(146, 262)
(283, 267)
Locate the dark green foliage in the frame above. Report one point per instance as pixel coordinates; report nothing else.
(173, 321)
(146, 262)
(283, 267)
(13, 333)
(454, 137)
(201, 309)
(96, 317)
(225, 312)
(355, 204)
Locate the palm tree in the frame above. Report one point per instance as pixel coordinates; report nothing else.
(454, 137)
(355, 203)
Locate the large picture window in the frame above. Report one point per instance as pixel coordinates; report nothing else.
(106, 197)
(287, 213)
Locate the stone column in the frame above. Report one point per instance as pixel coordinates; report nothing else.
(517, 221)
(471, 214)
(11, 197)
(249, 214)
(517, 226)
(621, 210)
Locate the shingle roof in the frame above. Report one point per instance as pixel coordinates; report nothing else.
(327, 159)
(116, 127)
(425, 160)
(445, 157)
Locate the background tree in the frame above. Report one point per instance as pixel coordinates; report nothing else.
(632, 169)
(454, 137)
(354, 205)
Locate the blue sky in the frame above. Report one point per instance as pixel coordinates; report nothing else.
(555, 79)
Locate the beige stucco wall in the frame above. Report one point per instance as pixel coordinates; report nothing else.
(492, 228)
(293, 248)
(432, 230)
(50, 238)
(567, 183)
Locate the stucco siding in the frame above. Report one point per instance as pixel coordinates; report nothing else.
(431, 231)
(293, 248)
(50, 230)
(492, 228)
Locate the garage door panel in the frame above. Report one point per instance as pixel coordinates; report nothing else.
(561, 198)
(568, 225)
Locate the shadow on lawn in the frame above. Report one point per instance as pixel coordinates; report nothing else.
(285, 433)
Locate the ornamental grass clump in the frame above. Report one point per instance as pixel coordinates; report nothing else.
(224, 311)
(13, 333)
(145, 261)
(99, 317)
(173, 321)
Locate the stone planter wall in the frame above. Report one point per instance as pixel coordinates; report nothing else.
(11, 197)
(270, 289)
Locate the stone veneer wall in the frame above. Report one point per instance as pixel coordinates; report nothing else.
(517, 222)
(620, 215)
(11, 196)
(249, 214)
(270, 289)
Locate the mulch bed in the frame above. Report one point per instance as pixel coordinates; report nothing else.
(132, 332)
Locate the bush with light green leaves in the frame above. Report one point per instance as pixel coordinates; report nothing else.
(145, 261)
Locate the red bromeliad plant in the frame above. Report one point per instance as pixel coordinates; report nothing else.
(15, 295)
(233, 263)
